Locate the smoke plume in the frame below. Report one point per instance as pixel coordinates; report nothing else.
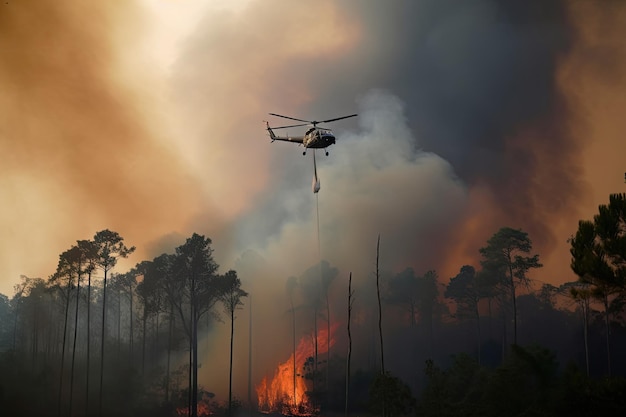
(472, 116)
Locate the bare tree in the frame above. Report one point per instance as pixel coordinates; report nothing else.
(350, 300)
(231, 298)
(380, 323)
(380, 309)
(292, 284)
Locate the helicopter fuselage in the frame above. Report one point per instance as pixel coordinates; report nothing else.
(317, 138)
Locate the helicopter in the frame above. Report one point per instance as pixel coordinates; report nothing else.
(314, 138)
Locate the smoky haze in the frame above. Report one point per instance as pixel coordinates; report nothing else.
(469, 120)
(79, 150)
(465, 125)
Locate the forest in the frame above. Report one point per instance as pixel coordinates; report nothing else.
(490, 341)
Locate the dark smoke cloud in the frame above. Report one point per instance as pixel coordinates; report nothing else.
(480, 84)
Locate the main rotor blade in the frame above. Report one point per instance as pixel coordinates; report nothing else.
(285, 127)
(338, 118)
(287, 117)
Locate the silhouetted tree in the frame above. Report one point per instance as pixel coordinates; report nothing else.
(349, 356)
(195, 269)
(383, 374)
(428, 303)
(63, 279)
(581, 294)
(5, 322)
(110, 247)
(89, 252)
(150, 293)
(599, 258)
(466, 293)
(126, 284)
(231, 297)
(20, 291)
(162, 266)
(403, 291)
(504, 257)
(292, 284)
(82, 266)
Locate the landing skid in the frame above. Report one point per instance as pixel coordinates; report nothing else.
(304, 153)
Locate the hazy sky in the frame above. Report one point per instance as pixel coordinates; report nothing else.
(146, 119)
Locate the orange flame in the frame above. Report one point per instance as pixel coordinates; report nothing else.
(280, 394)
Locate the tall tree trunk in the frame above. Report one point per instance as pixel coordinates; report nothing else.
(104, 309)
(88, 342)
(349, 345)
(119, 324)
(67, 307)
(315, 345)
(327, 347)
(380, 309)
(514, 302)
(490, 318)
(130, 311)
(478, 333)
(293, 328)
(35, 343)
(250, 356)
(74, 344)
(585, 311)
(230, 371)
(169, 353)
(431, 332)
(156, 347)
(607, 326)
(193, 358)
(190, 393)
(15, 316)
(194, 397)
(143, 342)
(380, 324)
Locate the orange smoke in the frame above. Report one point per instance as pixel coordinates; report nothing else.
(280, 394)
(80, 134)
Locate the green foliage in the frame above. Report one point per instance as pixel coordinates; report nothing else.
(599, 249)
(390, 397)
(528, 383)
(453, 392)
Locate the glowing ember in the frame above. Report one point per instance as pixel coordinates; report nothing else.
(204, 409)
(280, 394)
